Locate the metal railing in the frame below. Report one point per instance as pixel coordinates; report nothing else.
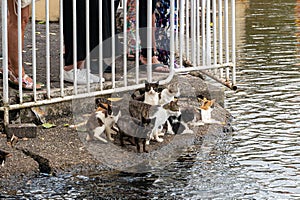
(201, 33)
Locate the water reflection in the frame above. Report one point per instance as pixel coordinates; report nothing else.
(267, 109)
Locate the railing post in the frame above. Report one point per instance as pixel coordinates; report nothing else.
(226, 24)
(220, 27)
(233, 43)
(203, 6)
(48, 84)
(5, 63)
(181, 8)
(61, 47)
(149, 40)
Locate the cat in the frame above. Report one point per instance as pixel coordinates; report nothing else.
(3, 156)
(135, 130)
(169, 93)
(179, 125)
(102, 121)
(160, 115)
(103, 104)
(151, 93)
(206, 107)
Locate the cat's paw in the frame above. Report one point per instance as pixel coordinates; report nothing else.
(189, 131)
(197, 123)
(160, 133)
(170, 133)
(101, 139)
(147, 142)
(159, 139)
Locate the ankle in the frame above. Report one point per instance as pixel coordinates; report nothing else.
(15, 72)
(80, 65)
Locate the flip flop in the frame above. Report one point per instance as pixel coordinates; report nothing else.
(130, 57)
(156, 68)
(161, 68)
(27, 83)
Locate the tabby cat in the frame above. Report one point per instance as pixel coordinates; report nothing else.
(135, 130)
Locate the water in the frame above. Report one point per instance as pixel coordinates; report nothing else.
(261, 160)
(267, 107)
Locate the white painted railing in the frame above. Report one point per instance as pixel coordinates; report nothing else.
(204, 37)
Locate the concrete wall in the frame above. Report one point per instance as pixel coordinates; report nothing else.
(54, 10)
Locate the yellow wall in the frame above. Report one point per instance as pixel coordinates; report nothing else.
(54, 10)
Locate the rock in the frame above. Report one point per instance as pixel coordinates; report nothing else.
(28, 130)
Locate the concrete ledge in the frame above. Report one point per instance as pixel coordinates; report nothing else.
(28, 130)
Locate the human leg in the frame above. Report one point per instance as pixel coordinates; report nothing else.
(143, 37)
(12, 29)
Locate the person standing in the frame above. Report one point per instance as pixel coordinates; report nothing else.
(13, 58)
(81, 35)
(157, 66)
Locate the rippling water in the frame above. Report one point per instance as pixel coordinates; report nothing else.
(267, 106)
(261, 160)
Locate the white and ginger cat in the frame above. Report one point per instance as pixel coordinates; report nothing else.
(168, 94)
(151, 93)
(102, 121)
(206, 107)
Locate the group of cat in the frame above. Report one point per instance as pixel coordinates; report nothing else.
(151, 113)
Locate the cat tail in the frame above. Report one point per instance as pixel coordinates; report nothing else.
(79, 125)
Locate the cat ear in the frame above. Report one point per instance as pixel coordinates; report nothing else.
(146, 82)
(157, 82)
(212, 102)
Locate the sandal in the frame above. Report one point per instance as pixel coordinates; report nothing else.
(131, 56)
(156, 67)
(160, 68)
(27, 83)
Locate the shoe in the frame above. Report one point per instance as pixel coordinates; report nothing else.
(95, 68)
(81, 77)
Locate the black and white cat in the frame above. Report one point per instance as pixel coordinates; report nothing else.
(151, 93)
(179, 125)
(3, 156)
